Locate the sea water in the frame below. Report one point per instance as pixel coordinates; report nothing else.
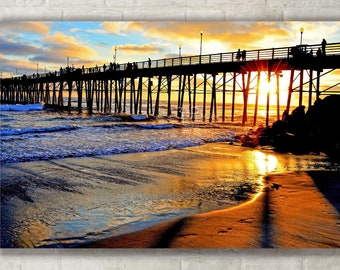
(62, 202)
(29, 133)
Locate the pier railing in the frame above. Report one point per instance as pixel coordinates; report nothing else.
(250, 55)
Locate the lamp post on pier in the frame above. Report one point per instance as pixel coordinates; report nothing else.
(201, 45)
(201, 42)
(115, 55)
(301, 32)
(180, 50)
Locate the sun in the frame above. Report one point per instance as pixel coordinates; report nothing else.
(268, 86)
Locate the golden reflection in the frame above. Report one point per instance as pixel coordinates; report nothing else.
(34, 234)
(265, 163)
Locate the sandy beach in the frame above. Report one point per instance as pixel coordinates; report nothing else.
(168, 199)
(294, 210)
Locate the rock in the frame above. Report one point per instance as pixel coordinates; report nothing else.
(314, 131)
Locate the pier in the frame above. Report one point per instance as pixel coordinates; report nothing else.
(203, 86)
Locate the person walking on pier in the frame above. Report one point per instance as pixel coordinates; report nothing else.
(318, 53)
(149, 63)
(323, 46)
(244, 55)
(238, 55)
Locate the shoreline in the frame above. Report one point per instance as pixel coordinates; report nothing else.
(277, 218)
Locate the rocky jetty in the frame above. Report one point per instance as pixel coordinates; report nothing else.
(313, 131)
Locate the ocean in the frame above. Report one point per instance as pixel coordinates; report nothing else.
(70, 178)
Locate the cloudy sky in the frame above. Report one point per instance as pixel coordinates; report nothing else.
(26, 45)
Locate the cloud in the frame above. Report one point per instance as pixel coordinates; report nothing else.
(138, 49)
(12, 47)
(73, 30)
(62, 45)
(113, 28)
(247, 35)
(97, 31)
(17, 65)
(47, 58)
(27, 26)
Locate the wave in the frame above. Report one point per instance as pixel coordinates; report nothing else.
(138, 126)
(11, 132)
(149, 145)
(22, 108)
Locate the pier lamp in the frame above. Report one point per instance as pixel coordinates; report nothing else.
(37, 68)
(180, 50)
(67, 60)
(115, 56)
(301, 32)
(201, 43)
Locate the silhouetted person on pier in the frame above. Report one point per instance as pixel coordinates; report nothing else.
(149, 63)
(323, 46)
(318, 53)
(244, 55)
(238, 55)
(104, 67)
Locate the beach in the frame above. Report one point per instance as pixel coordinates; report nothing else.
(216, 195)
(294, 210)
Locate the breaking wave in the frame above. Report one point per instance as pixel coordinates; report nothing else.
(22, 108)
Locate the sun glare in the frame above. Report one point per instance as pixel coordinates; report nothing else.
(265, 162)
(268, 86)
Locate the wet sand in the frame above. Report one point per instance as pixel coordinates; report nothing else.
(295, 210)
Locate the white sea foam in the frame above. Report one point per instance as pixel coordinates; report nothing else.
(9, 132)
(22, 108)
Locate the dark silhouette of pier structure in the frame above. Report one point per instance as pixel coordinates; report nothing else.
(136, 88)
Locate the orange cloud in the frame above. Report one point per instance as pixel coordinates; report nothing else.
(230, 35)
(132, 48)
(114, 27)
(27, 26)
(64, 46)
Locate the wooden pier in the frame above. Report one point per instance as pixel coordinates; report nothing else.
(199, 86)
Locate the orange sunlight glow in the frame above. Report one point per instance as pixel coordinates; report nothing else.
(268, 86)
(265, 163)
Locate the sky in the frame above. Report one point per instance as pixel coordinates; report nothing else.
(26, 46)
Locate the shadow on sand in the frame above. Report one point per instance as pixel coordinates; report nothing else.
(328, 182)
